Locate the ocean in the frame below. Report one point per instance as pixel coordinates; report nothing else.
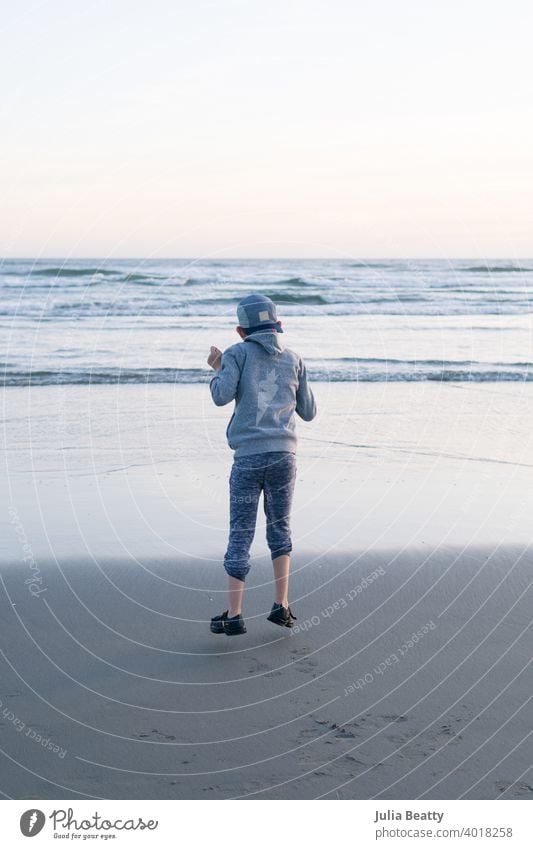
(153, 321)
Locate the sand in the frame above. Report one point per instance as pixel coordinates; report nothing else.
(409, 672)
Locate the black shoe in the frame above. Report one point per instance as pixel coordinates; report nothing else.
(234, 625)
(225, 625)
(217, 623)
(280, 615)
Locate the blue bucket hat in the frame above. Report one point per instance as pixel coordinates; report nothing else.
(257, 312)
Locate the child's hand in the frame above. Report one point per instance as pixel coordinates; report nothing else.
(215, 358)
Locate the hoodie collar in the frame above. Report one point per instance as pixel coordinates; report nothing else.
(268, 339)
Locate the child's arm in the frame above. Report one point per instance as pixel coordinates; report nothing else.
(305, 401)
(224, 384)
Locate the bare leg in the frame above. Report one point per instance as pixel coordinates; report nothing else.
(281, 566)
(235, 594)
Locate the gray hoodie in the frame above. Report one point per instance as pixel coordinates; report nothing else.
(269, 384)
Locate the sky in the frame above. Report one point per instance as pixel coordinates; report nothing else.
(246, 128)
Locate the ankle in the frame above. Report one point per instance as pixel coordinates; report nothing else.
(232, 613)
(284, 602)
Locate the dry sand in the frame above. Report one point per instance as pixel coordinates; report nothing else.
(417, 685)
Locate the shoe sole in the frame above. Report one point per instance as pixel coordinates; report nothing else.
(215, 629)
(281, 623)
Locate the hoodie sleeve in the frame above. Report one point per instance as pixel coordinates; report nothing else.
(224, 384)
(305, 401)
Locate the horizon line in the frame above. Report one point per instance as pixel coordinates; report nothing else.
(266, 258)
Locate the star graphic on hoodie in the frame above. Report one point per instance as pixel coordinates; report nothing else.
(267, 390)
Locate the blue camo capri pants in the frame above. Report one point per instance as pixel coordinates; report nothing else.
(274, 474)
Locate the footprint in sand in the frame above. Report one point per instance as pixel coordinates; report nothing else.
(301, 662)
(516, 789)
(328, 731)
(392, 717)
(154, 734)
(305, 666)
(346, 731)
(300, 650)
(256, 666)
(260, 667)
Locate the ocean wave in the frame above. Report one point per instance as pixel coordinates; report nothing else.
(381, 368)
(137, 277)
(414, 375)
(279, 298)
(450, 376)
(430, 362)
(366, 372)
(290, 281)
(66, 271)
(35, 273)
(370, 264)
(495, 269)
(332, 311)
(444, 375)
(304, 298)
(57, 290)
(100, 375)
(387, 299)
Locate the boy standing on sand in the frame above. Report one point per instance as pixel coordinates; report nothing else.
(269, 384)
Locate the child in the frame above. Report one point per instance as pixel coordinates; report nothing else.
(269, 384)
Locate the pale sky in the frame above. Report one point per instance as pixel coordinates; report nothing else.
(240, 128)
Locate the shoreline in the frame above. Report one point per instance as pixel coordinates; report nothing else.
(120, 470)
